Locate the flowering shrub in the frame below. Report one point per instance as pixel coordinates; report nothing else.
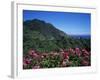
(62, 58)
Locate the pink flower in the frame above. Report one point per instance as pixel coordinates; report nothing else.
(85, 52)
(66, 55)
(77, 51)
(27, 61)
(64, 63)
(71, 50)
(33, 53)
(42, 56)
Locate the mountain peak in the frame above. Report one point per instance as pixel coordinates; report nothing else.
(46, 29)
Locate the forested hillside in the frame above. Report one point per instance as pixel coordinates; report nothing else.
(45, 37)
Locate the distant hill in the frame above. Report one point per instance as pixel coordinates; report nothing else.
(45, 37)
(46, 30)
(81, 36)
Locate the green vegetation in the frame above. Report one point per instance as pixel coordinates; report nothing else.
(44, 37)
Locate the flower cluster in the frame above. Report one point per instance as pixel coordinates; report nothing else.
(62, 58)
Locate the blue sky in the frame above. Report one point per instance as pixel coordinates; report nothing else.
(70, 23)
